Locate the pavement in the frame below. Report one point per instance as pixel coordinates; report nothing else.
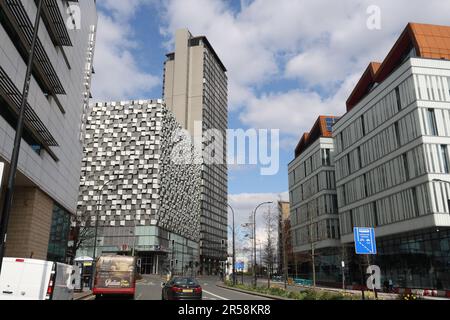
(84, 295)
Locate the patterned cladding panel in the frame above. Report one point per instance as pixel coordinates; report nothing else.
(131, 143)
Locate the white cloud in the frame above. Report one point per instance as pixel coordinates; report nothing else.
(118, 75)
(245, 203)
(325, 45)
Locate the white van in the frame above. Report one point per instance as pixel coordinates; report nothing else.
(29, 279)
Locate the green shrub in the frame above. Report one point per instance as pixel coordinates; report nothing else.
(409, 297)
(305, 295)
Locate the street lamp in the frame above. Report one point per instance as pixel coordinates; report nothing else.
(11, 179)
(234, 248)
(96, 228)
(254, 240)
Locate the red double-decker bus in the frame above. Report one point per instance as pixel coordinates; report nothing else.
(115, 276)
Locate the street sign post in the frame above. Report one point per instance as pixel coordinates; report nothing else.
(365, 244)
(365, 241)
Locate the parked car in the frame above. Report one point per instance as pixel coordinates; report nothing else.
(30, 279)
(182, 288)
(115, 276)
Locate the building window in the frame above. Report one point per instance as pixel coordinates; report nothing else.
(11, 118)
(445, 160)
(375, 214)
(405, 163)
(349, 164)
(397, 134)
(431, 120)
(448, 80)
(59, 235)
(351, 220)
(415, 201)
(330, 122)
(359, 157)
(398, 99)
(363, 126)
(326, 160)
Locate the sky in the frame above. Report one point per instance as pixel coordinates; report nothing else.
(288, 62)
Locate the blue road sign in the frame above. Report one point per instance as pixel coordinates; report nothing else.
(239, 265)
(365, 241)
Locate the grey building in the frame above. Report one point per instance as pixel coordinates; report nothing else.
(135, 192)
(196, 91)
(313, 203)
(392, 159)
(51, 150)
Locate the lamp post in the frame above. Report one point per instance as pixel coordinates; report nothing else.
(96, 230)
(234, 248)
(134, 239)
(11, 179)
(254, 240)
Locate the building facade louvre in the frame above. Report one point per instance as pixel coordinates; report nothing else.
(144, 201)
(313, 202)
(51, 152)
(391, 159)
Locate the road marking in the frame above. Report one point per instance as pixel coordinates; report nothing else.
(215, 295)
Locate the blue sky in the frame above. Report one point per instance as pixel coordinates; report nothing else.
(149, 52)
(288, 60)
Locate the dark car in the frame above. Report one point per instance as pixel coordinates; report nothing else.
(182, 288)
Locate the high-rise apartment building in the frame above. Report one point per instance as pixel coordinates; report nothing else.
(195, 90)
(134, 192)
(51, 151)
(313, 202)
(393, 162)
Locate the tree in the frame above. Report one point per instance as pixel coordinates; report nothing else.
(82, 234)
(271, 221)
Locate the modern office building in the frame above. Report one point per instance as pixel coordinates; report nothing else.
(195, 90)
(392, 159)
(133, 191)
(313, 202)
(51, 151)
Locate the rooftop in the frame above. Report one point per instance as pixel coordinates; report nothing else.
(417, 40)
(321, 129)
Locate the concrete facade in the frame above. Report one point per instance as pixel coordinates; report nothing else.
(29, 227)
(195, 90)
(392, 166)
(387, 163)
(51, 150)
(313, 200)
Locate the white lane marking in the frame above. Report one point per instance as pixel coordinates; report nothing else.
(215, 295)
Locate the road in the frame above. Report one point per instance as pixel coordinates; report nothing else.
(150, 289)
